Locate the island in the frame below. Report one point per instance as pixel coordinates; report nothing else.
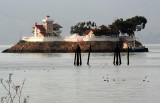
(47, 38)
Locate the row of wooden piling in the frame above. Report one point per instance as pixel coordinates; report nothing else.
(117, 56)
(116, 60)
(77, 58)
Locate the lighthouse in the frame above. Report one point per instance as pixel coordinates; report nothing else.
(48, 29)
(48, 25)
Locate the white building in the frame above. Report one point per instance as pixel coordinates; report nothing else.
(47, 29)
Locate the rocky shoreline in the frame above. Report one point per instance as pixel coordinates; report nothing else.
(64, 47)
(61, 47)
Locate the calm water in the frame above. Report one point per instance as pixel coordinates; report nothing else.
(52, 78)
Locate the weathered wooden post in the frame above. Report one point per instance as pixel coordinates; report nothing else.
(114, 58)
(89, 55)
(77, 58)
(128, 56)
(117, 56)
(79, 49)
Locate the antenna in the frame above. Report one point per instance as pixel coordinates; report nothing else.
(20, 36)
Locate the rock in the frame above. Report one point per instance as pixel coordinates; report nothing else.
(62, 47)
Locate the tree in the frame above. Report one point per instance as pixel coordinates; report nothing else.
(104, 30)
(131, 25)
(81, 27)
(128, 26)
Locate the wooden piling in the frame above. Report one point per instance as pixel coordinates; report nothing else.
(80, 55)
(89, 55)
(128, 56)
(114, 58)
(77, 58)
(117, 56)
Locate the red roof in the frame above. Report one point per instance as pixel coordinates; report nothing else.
(86, 32)
(47, 16)
(126, 42)
(44, 33)
(55, 24)
(93, 30)
(40, 27)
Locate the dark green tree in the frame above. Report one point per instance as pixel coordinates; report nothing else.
(129, 26)
(81, 27)
(107, 31)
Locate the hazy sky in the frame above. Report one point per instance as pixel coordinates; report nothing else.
(17, 17)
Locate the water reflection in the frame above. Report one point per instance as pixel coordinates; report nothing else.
(84, 84)
(48, 55)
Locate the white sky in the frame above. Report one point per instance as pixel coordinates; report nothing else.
(17, 17)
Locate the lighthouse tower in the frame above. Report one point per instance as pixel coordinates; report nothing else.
(48, 25)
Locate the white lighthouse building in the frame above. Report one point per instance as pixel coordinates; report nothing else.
(48, 28)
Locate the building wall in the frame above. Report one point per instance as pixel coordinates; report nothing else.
(69, 39)
(40, 35)
(90, 33)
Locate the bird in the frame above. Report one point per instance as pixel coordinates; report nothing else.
(145, 77)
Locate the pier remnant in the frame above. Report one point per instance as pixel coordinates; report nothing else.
(89, 55)
(128, 56)
(77, 58)
(117, 56)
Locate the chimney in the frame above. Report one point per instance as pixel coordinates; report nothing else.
(35, 23)
(47, 16)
